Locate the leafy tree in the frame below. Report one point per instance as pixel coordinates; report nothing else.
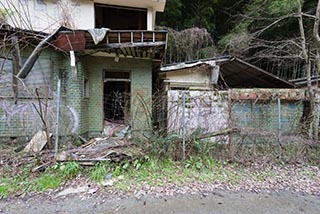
(183, 14)
(189, 44)
(172, 16)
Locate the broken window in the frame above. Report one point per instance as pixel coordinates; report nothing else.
(120, 18)
(117, 95)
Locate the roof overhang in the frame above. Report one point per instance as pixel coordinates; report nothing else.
(236, 73)
(125, 43)
(7, 31)
(240, 74)
(156, 5)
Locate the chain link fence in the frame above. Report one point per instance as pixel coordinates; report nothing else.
(257, 119)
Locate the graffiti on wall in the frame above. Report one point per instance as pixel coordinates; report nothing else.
(20, 117)
(23, 116)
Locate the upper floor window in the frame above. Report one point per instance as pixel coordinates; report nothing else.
(120, 18)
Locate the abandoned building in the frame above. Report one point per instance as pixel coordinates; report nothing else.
(225, 92)
(100, 65)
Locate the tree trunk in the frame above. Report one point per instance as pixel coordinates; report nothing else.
(309, 105)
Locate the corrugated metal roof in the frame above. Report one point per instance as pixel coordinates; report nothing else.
(236, 73)
(240, 74)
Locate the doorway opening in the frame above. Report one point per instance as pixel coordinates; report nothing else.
(117, 96)
(120, 18)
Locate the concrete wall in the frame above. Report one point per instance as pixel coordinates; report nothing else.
(141, 91)
(253, 111)
(204, 112)
(48, 15)
(193, 78)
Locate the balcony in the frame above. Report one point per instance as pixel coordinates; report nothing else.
(127, 43)
(141, 44)
(156, 5)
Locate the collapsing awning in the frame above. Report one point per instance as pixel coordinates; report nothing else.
(234, 73)
(127, 43)
(240, 74)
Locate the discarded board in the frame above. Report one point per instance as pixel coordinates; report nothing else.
(37, 143)
(93, 153)
(72, 190)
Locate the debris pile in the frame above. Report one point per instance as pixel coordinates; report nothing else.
(100, 150)
(113, 146)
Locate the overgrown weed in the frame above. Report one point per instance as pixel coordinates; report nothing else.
(98, 172)
(46, 181)
(70, 170)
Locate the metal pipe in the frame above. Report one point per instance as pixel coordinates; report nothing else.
(279, 127)
(56, 144)
(183, 126)
(279, 116)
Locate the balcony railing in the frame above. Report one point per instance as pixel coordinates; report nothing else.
(134, 43)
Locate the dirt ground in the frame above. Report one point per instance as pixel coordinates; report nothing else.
(216, 202)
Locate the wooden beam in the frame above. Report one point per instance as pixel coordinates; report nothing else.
(138, 52)
(119, 38)
(128, 51)
(127, 45)
(133, 51)
(28, 65)
(124, 52)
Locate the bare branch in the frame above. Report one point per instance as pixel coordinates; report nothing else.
(316, 23)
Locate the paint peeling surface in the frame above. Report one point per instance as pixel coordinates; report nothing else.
(267, 94)
(202, 112)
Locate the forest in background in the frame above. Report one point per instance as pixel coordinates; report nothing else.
(266, 33)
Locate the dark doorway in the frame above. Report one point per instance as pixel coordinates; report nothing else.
(117, 96)
(120, 18)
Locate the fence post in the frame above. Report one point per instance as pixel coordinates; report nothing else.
(56, 144)
(279, 125)
(183, 125)
(316, 123)
(230, 125)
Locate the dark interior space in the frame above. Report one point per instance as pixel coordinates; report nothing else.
(120, 18)
(117, 96)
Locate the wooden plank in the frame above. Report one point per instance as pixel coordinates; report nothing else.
(125, 37)
(128, 51)
(133, 51)
(116, 80)
(124, 52)
(119, 38)
(127, 45)
(138, 52)
(154, 50)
